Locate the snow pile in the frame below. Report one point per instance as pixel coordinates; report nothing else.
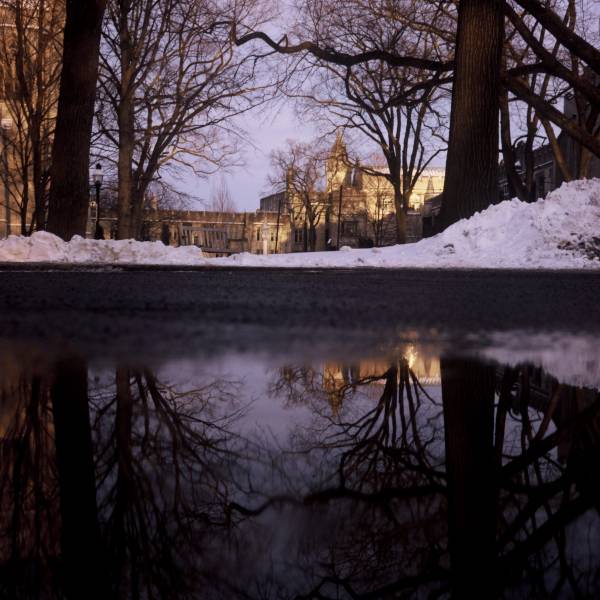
(561, 231)
(44, 247)
(558, 232)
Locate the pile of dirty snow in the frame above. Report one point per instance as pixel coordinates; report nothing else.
(43, 247)
(561, 231)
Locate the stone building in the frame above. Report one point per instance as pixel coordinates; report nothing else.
(357, 208)
(216, 233)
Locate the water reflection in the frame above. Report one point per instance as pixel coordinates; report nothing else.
(411, 475)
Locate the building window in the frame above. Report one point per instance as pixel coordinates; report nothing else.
(349, 228)
(298, 236)
(258, 235)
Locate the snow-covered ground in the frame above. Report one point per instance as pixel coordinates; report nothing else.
(43, 247)
(561, 231)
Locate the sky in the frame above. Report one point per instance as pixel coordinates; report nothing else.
(267, 129)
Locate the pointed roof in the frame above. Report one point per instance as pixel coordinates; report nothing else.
(430, 188)
(339, 146)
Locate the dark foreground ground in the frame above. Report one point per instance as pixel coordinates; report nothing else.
(166, 310)
(239, 435)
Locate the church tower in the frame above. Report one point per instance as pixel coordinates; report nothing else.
(430, 193)
(337, 170)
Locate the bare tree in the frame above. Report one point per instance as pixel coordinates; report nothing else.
(379, 211)
(221, 200)
(471, 168)
(170, 80)
(298, 171)
(550, 73)
(31, 48)
(69, 188)
(394, 109)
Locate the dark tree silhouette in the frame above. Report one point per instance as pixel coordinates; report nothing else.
(468, 398)
(82, 555)
(471, 182)
(69, 187)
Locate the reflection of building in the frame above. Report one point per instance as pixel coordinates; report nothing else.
(340, 379)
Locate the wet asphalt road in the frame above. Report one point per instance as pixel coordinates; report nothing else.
(139, 309)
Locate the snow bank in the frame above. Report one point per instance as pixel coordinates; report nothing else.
(561, 231)
(44, 247)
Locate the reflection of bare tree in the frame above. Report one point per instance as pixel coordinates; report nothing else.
(510, 483)
(468, 397)
(124, 504)
(385, 479)
(82, 553)
(142, 486)
(544, 484)
(47, 480)
(163, 470)
(29, 505)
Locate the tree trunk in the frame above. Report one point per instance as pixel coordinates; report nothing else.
(125, 160)
(471, 181)
(468, 400)
(80, 536)
(305, 236)
(557, 152)
(39, 196)
(124, 489)
(400, 213)
(312, 235)
(24, 199)
(69, 191)
(515, 184)
(137, 210)
(126, 125)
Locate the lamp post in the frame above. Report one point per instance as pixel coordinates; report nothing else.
(97, 178)
(6, 126)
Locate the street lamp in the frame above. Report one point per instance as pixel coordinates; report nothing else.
(97, 178)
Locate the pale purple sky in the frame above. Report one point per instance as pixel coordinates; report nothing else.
(267, 129)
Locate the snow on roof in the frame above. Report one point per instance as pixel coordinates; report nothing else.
(558, 232)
